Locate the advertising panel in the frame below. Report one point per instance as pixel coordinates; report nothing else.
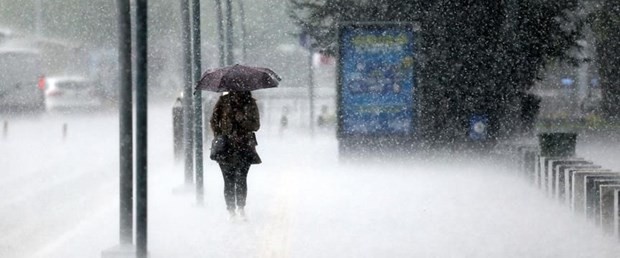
(376, 80)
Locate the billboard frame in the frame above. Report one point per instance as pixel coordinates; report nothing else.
(349, 141)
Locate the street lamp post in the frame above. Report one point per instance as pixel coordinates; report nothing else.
(141, 128)
(244, 47)
(197, 101)
(311, 89)
(126, 247)
(229, 33)
(126, 125)
(220, 33)
(38, 22)
(187, 93)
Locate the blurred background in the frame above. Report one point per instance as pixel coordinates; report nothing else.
(78, 38)
(565, 68)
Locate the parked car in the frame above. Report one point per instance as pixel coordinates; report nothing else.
(20, 86)
(71, 93)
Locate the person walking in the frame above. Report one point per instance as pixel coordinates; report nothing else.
(236, 117)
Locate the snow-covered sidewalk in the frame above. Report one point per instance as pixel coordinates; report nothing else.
(304, 203)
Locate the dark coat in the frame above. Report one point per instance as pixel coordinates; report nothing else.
(236, 116)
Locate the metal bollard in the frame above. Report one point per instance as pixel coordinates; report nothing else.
(5, 129)
(529, 164)
(593, 194)
(608, 207)
(568, 181)
(64, 131)
(564, 174)
(553, 171)
(579, 190)
(284, 119)
(177, 129)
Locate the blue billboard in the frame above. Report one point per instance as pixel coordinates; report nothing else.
(376, 80)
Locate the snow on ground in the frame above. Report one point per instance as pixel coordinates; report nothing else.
(61, 200)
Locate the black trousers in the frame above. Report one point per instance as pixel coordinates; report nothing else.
(235, 184)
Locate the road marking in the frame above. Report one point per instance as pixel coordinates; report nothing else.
(59, 241)
(277, 238)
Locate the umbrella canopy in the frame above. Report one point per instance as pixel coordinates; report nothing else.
(238, 78)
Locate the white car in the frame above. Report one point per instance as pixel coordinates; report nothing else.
(71, 93)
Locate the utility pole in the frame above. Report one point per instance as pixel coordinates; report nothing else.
(511, 104)
(126, 124)
(311, 89)
(229, 33)
(142, 129)
(244, 47)
(220, 33)
(307, 42)
(197, 101)
(38, 22)
(126, 247)
(187, 93)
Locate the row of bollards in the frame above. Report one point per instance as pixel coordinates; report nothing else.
(5, 130)
(585, 188)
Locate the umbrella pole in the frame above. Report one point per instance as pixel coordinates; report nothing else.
(197, 102)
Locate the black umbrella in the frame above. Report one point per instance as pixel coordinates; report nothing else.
(238, 78)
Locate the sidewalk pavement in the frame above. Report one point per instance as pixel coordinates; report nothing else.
(302, 202)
